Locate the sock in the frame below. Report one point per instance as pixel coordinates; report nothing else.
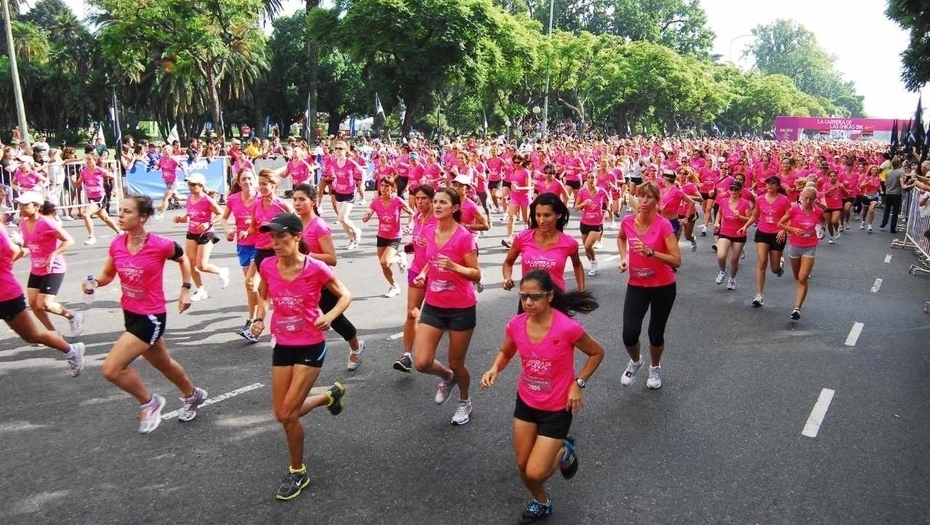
(408, 354)
(301, 470)
(71, 352)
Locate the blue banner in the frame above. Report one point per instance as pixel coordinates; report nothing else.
(141, 180)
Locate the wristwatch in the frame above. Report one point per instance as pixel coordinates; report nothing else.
(650, 253)
(581, 382)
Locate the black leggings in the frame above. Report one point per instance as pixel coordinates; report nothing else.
(638, 300)
(341, 324)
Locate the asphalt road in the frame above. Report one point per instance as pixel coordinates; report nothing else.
(720, 443)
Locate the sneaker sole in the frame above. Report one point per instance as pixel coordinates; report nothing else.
(338, 404)
(461, 423)
(653, 387)
(193, 413)
(401, 368)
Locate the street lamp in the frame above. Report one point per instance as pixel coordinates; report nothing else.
(545, 110)
(732, 41)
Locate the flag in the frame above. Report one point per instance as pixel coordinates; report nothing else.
(894, 137)
(906, 137)
(99, 135)
(919, 135)
(173, 134)
(484, 126)
(379, 109)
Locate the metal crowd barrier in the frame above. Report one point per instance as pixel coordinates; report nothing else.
(63, 192)
(915, 237)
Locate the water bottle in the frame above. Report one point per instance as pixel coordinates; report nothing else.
(90, 293)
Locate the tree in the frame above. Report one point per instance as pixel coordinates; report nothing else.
(412, 48)
(204, 49)
(914, 17)
(788, 48)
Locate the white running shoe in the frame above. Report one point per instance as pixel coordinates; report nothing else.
(189, 410)
(839, 233)
(758, 301)
(91, 240)
(462, 413)
(598, 245)
(831, 241)
(76, 362)
(593, 271)
(77, 324)
(392, 292)
(629, 375)
(67, 218)
(693, 245)
(151, 414)
(355, 357)
(445, 390)
(819, 230)
(861, 225)
(655, 377)
(352, 245)
(731, 283)
(224, 277)
(720, 277)
(870, 228)
(199, 294)
(402, 263)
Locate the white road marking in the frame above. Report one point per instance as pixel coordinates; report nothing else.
(888, 258)
(812, 427)
(395, 337)
(217, 399)
(854, 334)
(877, 285)
(612, 258)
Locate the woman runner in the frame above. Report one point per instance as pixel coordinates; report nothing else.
(388, 206)
(239, 205)
(201, 209)
(801, 222)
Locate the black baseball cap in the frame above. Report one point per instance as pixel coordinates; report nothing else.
(773, 180)
(285, 222)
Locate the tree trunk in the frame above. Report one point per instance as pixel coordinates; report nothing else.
(313, 71)
(333, 124)
(413, 108)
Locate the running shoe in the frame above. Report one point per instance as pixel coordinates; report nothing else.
(506, 243)
(720, 277)
(76, 323)
(839, 233)
(731, 283)
(462, 413)
(249, 336)
(76, 361)
(244, 328)
(655, 377)
(293, 483)
(704, 230)
(713, 246)
(67, 218)
(199, 295)
(598, 245)
(831, 240)
(355, 357)
(151, 414)
(693, 245)
(796, 314)
(352, 245)
(593, 271)
(335, 395)
(870, 228)
(861, 225)
(224, 277)
(392, 292)
(535, 511)
(479, 286)
(568, 465)
(402, 262)
(781, 267)
(444, 390)
(189, 410)
(629, 375)
(404, 364)
(819, 229)
(91, 240)
(758, 301)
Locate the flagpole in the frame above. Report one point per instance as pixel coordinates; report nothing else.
(14, 72)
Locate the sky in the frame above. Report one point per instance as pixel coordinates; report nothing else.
(865, 43)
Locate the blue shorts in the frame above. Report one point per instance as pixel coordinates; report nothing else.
(246, 255)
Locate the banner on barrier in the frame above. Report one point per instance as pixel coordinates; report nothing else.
(141, 180)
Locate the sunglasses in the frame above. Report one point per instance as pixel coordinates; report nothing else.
(339, 149)
(192, 184)
(533, 297)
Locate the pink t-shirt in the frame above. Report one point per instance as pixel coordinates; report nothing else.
(689, 189)
(42, 240)
(27, 180)
(262, 215)
(419, 240)
(169, 169)
(316, 229)
(388, 217)
(344, 176)
(645, 271)
(242, 215)
(732, 218)
(93, 182)
(593, 212)
(833, 196)
(552, 259)
(299, 171)
(771, 212)
(141, 275)
(671, 200)
(200, 214)
(807, 221)
(296, 303)
(548, 366)
(447, 288)
(9, 286)
(554, 187)
(495, 167)
(470, 213)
